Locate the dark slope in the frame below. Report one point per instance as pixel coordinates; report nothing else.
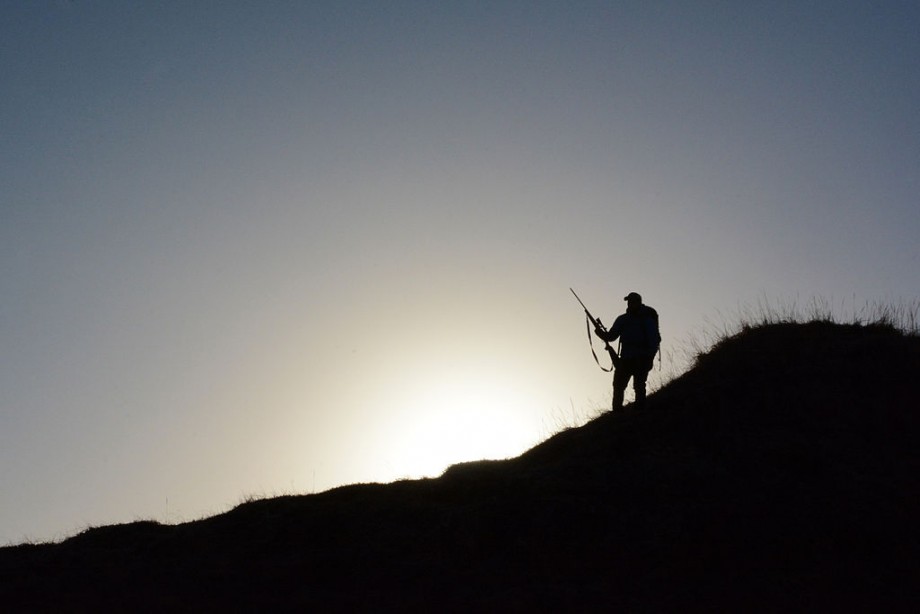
(780, 473)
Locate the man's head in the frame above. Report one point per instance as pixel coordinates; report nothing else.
(633, 300)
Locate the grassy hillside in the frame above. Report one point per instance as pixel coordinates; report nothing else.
(780, 473)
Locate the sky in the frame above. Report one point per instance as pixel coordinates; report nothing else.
(262, 248)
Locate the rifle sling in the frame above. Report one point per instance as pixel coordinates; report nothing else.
(591, 343)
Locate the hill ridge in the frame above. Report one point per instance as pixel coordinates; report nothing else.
(779, 472)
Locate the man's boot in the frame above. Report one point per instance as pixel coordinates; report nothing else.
(640, 398)
(617, 400)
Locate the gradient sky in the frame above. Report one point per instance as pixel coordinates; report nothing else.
(253, 248)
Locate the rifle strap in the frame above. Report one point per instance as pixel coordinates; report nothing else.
(591, 343)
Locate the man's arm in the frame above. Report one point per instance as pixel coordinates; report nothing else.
(610, 334)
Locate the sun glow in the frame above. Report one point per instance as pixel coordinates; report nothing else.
(458, 418)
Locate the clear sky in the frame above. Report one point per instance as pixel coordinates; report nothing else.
(253, 248)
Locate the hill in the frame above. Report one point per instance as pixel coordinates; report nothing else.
(780, 473)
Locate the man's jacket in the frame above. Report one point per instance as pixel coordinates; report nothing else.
(637, 331)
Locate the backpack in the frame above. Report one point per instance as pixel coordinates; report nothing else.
(650, 314)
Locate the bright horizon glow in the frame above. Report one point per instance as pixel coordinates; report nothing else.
(453, 417)
(440, 399)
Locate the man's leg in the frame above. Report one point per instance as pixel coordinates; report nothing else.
(639, 387)
(640, 377)
(620, 381)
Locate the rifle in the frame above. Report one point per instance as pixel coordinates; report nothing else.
(589, 320)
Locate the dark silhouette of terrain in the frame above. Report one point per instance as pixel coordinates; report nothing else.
(781, 473)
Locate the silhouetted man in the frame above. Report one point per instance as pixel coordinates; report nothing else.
(637, 330)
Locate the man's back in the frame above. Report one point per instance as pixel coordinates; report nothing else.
(638, 332)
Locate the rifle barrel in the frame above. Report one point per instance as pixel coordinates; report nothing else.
(580, 301)
(588, 313)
